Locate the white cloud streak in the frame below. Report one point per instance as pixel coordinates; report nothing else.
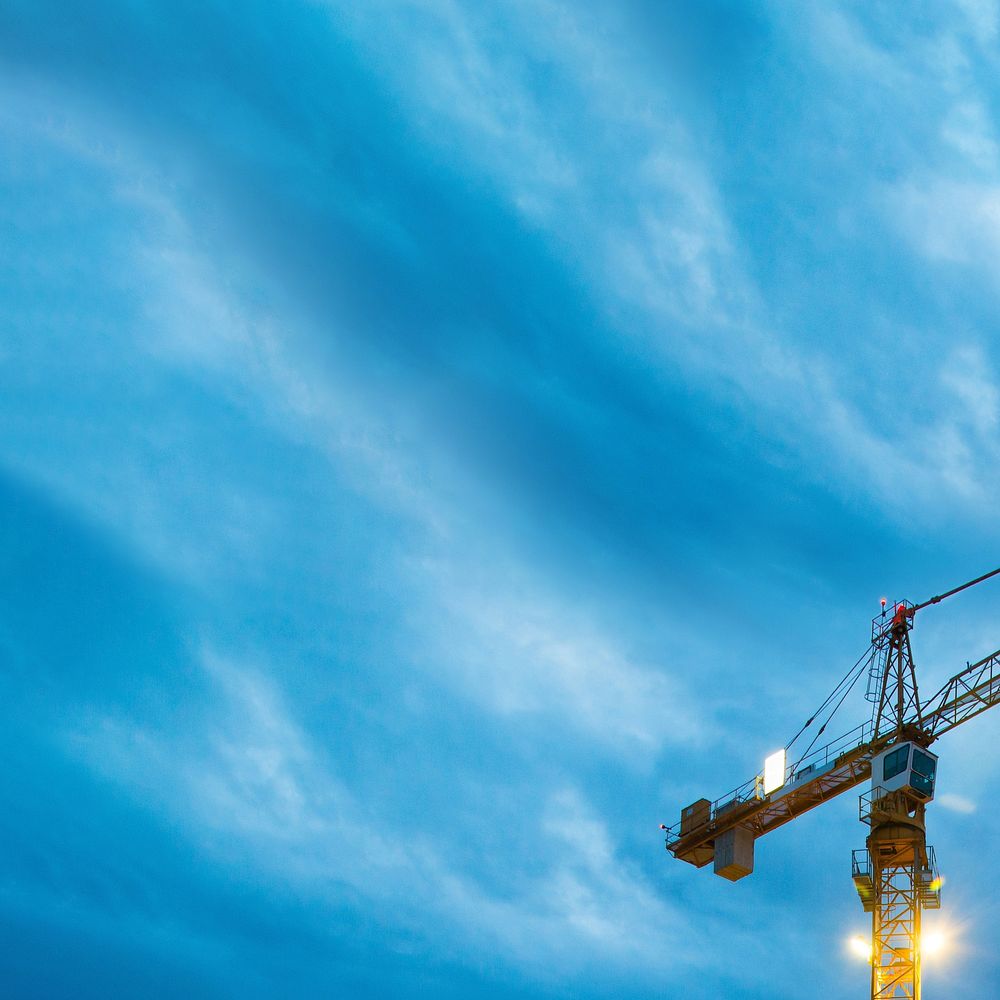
(665, 244)
(956, 803)
(519, 651)
(246, 784)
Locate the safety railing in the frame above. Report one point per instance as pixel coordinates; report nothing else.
(801, 770)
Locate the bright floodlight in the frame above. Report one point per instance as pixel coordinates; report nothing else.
(932, 942)
(860, 947)
(774, 772)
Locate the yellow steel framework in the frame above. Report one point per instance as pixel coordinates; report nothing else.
(897, 844)
(902, 879)
(896, 935)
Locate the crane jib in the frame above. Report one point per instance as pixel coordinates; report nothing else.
(966, 695)
(761, 814)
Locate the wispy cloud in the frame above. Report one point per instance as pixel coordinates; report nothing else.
(520, 651)
(956, 803)
(983, 18)
(969, 130)
(246, 783)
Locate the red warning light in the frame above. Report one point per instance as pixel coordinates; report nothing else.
(883, 602)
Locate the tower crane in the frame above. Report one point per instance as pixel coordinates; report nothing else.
(896, 873)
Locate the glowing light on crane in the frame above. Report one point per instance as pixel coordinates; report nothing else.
(933, 942)
(941, 939)
(774, 772)
(860, 947)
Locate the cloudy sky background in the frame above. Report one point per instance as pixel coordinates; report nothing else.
(439, 440)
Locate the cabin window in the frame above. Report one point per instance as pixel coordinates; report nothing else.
(924, 764)
(895, 762)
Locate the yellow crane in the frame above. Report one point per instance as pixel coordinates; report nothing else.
(896, 874)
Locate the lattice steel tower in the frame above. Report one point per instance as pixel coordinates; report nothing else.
(896, 875)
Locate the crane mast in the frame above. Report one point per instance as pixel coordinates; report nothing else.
(896, 873)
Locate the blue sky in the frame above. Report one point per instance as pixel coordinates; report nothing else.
(439, 440)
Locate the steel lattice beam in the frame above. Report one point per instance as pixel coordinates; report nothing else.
(896, 934)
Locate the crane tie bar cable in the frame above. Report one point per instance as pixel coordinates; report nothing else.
(833, 694)
(858, 673)
(965, 586)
